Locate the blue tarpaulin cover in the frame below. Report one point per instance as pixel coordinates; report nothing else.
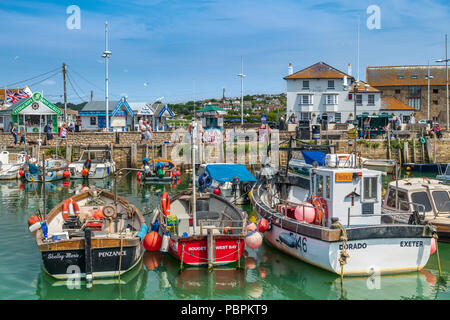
(33, 169)
(225, 172)
(311, 156)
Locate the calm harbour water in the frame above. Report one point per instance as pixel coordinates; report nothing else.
(265, 274)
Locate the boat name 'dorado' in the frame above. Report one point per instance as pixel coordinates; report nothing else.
(351, 246)
(411, 243)
(111, 254)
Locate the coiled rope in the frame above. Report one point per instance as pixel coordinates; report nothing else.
(343, 255)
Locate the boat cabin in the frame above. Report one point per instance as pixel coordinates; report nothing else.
(421, 194)
(351, 194)
(96, 156)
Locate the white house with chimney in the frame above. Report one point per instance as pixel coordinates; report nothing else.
(322, 93)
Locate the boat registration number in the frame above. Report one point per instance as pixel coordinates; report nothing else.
(344, 176)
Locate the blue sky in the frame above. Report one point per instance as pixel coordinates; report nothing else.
(175, 45)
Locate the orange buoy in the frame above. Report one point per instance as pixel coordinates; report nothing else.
(227, 230)
(253, 239)
(310, 212)
(251, 227)
(433, 246)
(33, 219)
(165, 203)
(152, 241)
(263, 225)
(84, 172)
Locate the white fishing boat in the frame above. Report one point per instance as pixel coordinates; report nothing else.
(430, 198)
(11, 164)
(93, 164)
(232, 181)
(339, 229)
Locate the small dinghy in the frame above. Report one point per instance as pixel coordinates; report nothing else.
(158, 170)
(214, 234)
(56, 168)
(92, 233)
(93, 164)
(333, 221)
(232, 181)
(430, 198)
(11, 164)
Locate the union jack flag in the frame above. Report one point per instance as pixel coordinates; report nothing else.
(13, 97)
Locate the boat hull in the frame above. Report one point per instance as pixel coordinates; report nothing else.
(100, 172)
(194, 252)
(367, 256)
(51, 176)
(62, 264)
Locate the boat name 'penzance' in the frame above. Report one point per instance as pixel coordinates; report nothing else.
(111, 254)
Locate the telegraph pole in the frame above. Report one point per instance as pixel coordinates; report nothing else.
(65, 91)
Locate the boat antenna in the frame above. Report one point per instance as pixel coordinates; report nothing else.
(194, 204)
(44, 209)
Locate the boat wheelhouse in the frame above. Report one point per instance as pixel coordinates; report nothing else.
(333, 221)
(93, 164)
(11, 163)
(429, 197)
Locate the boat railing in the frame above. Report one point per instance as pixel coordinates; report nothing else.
(212, 224)
(421, 206)
(287, 202)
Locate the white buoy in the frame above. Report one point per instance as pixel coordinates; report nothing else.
(165, 242)
(35, 227)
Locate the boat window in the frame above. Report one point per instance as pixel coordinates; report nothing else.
(442, 200)
(370, 188)
(319, 186)
(327, 194)
(401, 197)
(422, 198)
(447, 171)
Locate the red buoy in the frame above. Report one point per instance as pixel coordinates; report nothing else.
(217, 191)
(433, 246)
(152, 241)
(66, 174)
(178, 173)
(33, 219)
(263, 225)
(21, 173)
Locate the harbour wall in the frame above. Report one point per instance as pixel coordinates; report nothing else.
(128, 149)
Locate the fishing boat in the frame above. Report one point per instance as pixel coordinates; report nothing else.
(232, 181)
(56, 168)
(11, 164)
(93, 164)
(95, 234)
(428, 197)
(339, 227)
(212, 235)
(158, 170)
(383, 166)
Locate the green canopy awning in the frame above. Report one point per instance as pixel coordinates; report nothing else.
(212, 108)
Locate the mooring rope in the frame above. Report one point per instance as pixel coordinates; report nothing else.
(435, 236)
(343, 255)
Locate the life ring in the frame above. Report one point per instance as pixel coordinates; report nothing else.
(319, 203)
(67, 206)
(165, 203)
(422, 140)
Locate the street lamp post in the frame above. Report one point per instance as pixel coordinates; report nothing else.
(106, 55)
(242, 76)
(446, 79)
(428, 77)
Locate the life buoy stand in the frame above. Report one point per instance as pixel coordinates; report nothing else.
(321, 209)
(165, 203)
(66, 207)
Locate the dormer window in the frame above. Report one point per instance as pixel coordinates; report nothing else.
(414, 77)
(400, 77)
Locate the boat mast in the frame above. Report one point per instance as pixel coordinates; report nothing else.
(194, 204)
(43, 185)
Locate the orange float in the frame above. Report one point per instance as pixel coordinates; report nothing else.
(152, 241)
(165, 203)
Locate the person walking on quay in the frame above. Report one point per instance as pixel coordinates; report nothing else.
(366, 127)
(14, 132)
(148, 132)
(142, 129)
(437, 131)
(398, 123)
(63, 133)
(23, 135)
(48, 129)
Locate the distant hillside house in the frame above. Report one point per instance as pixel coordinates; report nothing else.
(409, 84)
(120, 114)
(319, 90)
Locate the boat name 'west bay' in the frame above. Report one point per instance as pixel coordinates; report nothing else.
(224, 247)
